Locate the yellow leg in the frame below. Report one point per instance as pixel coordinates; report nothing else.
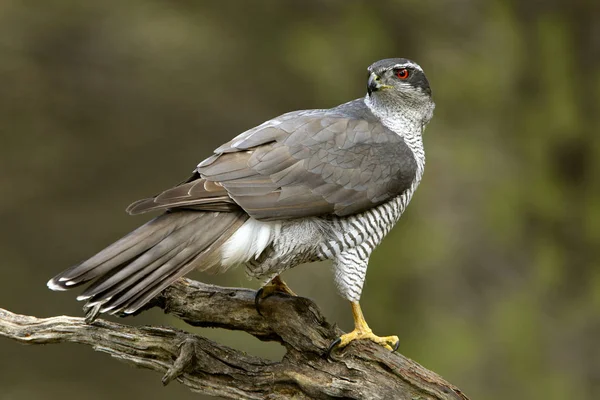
(277, 285)
(280, 286)
(362, 331)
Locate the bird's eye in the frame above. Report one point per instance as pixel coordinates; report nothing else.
(402, 73)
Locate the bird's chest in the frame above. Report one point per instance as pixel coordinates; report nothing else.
(362, 233)
(325, 238)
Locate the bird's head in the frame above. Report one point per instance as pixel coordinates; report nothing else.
(398, 85)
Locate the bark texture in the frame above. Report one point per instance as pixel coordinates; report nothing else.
(363, 370)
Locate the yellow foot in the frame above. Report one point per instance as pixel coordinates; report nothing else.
(277, 285)
(362, 331)
(280, 286)
(389, 342)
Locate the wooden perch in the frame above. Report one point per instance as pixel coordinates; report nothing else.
(363, 370)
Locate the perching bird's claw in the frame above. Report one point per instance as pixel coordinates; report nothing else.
(362, 331)
(257, 297)
(331, 347)
(277, 285)
(389, 342)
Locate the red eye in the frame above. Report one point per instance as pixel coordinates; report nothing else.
(402, 73)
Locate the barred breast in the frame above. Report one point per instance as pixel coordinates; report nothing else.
(348, 241)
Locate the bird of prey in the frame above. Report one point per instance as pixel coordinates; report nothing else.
(308, 185)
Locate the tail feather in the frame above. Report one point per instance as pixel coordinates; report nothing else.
(133, 270)
(116, 254)
(203, 261)
(139, 268)
(156, 276)
(115, 290)
(147, 262)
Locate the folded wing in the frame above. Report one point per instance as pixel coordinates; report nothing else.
(301, 164)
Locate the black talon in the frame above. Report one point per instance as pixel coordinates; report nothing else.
(396, 346)
(332, 346)
(259, 292)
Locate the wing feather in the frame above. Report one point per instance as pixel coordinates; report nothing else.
(305, 163)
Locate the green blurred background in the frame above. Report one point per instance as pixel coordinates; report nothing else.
(490, 279)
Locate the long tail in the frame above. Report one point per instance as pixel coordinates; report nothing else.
(133, 270)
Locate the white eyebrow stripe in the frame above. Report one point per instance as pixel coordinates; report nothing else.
(407, 64)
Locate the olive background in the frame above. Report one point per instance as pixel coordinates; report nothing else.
(492, 276)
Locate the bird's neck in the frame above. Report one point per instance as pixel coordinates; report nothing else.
(409, 116)
(407, 122)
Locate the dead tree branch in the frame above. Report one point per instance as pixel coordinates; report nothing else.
(363, 370)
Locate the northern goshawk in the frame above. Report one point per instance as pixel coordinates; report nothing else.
(306, 186)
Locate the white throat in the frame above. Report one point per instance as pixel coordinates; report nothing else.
(405, 123)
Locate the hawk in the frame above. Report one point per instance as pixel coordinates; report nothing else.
(308, 185)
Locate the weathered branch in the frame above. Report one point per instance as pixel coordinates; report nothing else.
(363, 370)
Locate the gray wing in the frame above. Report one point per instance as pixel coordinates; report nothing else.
(305, 163)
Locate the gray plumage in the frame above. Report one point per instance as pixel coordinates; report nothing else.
(305, 186)
(305, 163)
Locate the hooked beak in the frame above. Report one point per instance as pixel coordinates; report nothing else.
(373, 83)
